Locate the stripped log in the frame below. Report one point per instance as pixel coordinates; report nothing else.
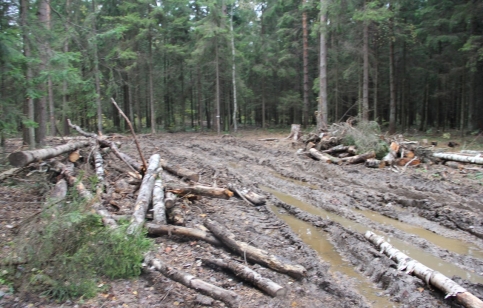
(253, 253)
(438, 280)
(128, 160)
(208, 191)
(145, 195)
(154, 229)
(358, 158)
(180, 171)
(460, 157)
(323, 157)
(20, 159)
(190, 281)
(247, 274)
(159, 208)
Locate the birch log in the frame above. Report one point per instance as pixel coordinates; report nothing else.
(358, 158)
(323, 157)
(253, 253)
(145, 195)
(154, 229)
(159, 208)
(180, 171)
(438, 280)
(20, 159)
(215, 192)
(247, 274)
(190, 281)
(477, 159)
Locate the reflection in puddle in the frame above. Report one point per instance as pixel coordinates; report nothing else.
(425, 258)
(450, 244)
(318, 241)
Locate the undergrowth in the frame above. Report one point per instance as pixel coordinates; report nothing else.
(66, 251)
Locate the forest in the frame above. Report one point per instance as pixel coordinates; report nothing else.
(218, 65)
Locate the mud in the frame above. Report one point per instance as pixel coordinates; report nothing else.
(315, 216)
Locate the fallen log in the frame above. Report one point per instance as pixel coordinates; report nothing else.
(180, 171)
(145, 195)
(214, 192)
(246, 273)
(9, 173)
(20, 159)
(358, 158)
(159, 208)
(99, 165)
(374, 163)
(323, 157)
(253, 253)
(341, 148)
(176, 214)
(249, 196)
(327, 143)
(190, 281)
(154, 229)
(170, 200)
(460, 157)
(438, 280)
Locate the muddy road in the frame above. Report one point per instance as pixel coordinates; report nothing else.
(316, 215)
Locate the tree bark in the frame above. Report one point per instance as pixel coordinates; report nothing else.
(214, 192)
(170, 200)
(97, 80)
(374, 163)
(438, 280)
(323, 157)
(159, 208)
(180, 171)
(305, 52)
(247, 274)
(358, 158)
(294, 132)
(233, 69)
(145, 195)
(322, 108)
(365, 81)
(226, 296)
(392, 88)
(460, 157)
(156, 229)
(254, 254)
(20, 159)
(341, 148)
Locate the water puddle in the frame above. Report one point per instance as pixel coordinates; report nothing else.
(450, 244)
(318, 241)
(301, 183)
(425, 258)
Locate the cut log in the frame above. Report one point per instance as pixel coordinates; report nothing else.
(145, 195)
(154, 229)
(253, 253)
(374, 163)
(249, 196)
(408, 162)
(358, 158)
(9, 173)
(190, 281)
(170, 200)
(176, 214)
(390, 158)
(328, 143)
(159, 208)
(214, 192)
(323, 157)
(309, 145)
(59, 191)
(460, 157)
(438, 280)
(341, 148)
(180, 171)
(294, 132)
(20, 159)
(247, 274)
(99, 165)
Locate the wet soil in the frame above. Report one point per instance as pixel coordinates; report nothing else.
(316, 215)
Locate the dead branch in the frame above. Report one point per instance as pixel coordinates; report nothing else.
(246, 273)
(190, 281)
(254, 254)
(132, 132)
(154, 229)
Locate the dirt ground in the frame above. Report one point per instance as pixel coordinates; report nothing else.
(433, 210)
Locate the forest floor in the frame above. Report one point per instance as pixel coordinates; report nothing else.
(316, 215)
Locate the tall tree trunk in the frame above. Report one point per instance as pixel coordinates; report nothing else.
(217, 68)
(200, 103)
(306, 65)
(151, 90)
(233, 71)
(96, 69)
(392, 90)
(41, 108)
(365, 81)
(322, 108)
(29, 135)
(376, 80)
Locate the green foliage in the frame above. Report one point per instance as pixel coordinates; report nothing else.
(68, 251)
(365, 136)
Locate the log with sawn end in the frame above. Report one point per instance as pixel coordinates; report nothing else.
(180, 171)
(323, 157)
(253, 253)
(145, 195)
(20, 159)
(436, 279)
(154, 229)
(229, 297)
(208, 191)
(246, 273)
(341, 148)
